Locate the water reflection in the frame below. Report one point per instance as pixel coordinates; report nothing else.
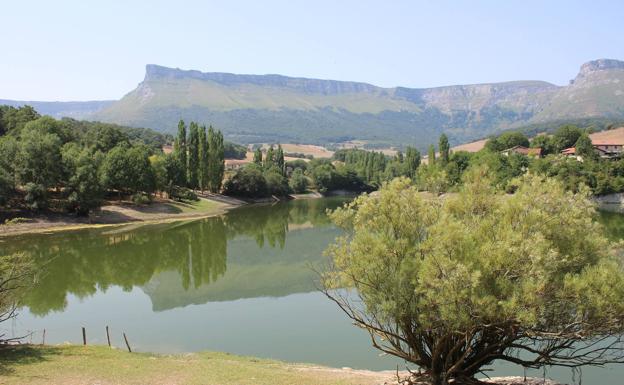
(249, 252)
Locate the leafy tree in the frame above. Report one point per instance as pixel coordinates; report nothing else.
(445, 149)
(276, 183)
(193, 156)
(216, 159)
(269, 158)
(279, 160)
(13, 119)
(38, 160)
(36, 197)
(412, 161)
(174, 171)
(203, 159)
(585, 148)
(6, 186)
(507, 140)
(453, 285)
(84, 191)
(431, 155)
(180, 150)
(298, 182)
(566, 136)
(546, 143)
(16, 277)
(247, 182)
(257, 159)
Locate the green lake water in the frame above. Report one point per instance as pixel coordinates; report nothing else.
(243, 283)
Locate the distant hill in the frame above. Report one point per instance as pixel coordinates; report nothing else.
(76, 110)
(275, 108)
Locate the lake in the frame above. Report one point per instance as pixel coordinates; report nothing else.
(242, 283)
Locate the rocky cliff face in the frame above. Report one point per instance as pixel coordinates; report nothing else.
(251, 108)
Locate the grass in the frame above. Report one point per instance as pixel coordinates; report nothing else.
(68, 365)
(202, 205)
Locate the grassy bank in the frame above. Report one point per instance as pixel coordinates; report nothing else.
(117, 214)
(71, 365)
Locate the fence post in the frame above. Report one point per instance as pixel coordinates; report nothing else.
(127, 344)
(84, 336)
(108, 336)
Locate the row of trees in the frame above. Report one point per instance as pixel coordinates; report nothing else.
(200, 156)
(72, 165)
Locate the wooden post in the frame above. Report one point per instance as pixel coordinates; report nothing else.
(108, 336)
(84, 336)
(43, 340)
(127, 344)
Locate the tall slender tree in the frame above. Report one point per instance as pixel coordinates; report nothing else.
(431, 155)
(203, 159)
(179, 149)
(257, 159)
(444, 148)
(279, 159)
(269, 158)
(412, 161)
(216, 159)
(193, 156)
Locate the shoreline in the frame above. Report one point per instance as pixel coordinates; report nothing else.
(122, 214)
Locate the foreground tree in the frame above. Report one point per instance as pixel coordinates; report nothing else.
(445, 149)
(453, 285)
(16, 275)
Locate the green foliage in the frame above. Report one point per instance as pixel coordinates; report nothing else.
(412, 161)
(182, 193)
(216, 159)
(431, 154)
(14, 118)
(204, 175)
(247, 182)
(234, 151)
(298, 182)
(257, 159)
(445, 149)
(480, 276)
(128, 170)
(141, 198)
(566, 136)
(193, 156)
(507, 140)
(36, 197)
(276, 183)
(585, 148)
(279, 160)
(180, 150)
(84, 191)
(38, 160)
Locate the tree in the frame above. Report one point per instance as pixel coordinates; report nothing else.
(455, 284)
(247, 182)
(193, 156)
(445, 149)
(412, 161)
(16, 275)
(566, 136)
(431, 157)
(39, 159)
(179, 149)
(298, 182)
(507, 140)
(585, 148)
(84, 191)
(257, 159)
(279, 160)
(216, 159)
(269, 158)
(203, 159)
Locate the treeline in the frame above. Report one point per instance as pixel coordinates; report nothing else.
(602, 176)
(73, 165)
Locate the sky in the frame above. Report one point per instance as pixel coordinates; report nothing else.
(96, 50)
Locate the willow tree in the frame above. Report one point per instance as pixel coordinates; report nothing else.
(453, 285)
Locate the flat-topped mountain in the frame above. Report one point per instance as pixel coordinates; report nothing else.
(269, 108)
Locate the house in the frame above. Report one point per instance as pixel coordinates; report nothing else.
(605, 149)
(533, 152)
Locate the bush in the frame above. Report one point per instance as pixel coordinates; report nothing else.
(298, 181)
(276, 183)
(181, 194)
(247, 182)
(141, 199)
(36, 196)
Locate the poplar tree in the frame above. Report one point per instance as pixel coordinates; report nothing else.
(203, 159)
(269, 158)
(279, 160)
(193, 156)
(257, 159)
(445, 150)
(412, 161)
(431, 155)
(216, 159)
(179, 149)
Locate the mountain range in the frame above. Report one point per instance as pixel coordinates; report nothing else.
(276, 108)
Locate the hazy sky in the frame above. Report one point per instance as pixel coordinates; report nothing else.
(88, 50)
